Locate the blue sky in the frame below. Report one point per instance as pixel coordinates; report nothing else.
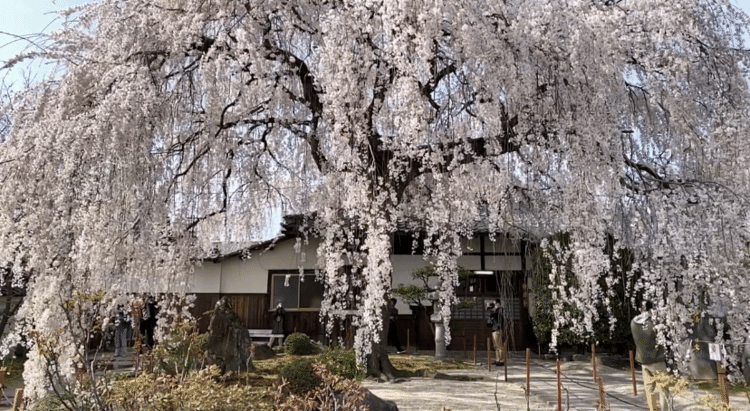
(24, 17)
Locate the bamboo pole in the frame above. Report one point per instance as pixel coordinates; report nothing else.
(632, 373)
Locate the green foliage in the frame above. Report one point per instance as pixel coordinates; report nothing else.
(13, 368)
(49, 402)
(299, 344)
(413, 294)
(182, 350)
(543, 317)
(197, 390)
(331, 392)
(300, 377)
(342, 362)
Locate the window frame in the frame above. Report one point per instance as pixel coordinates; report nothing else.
(295, 274)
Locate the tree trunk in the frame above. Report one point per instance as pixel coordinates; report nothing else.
(378, 363)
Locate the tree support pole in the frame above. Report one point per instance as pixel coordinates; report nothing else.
(632, 373)
(528, 371)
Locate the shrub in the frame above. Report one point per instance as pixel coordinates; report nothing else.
(342, 362)
(197, 390)
(299, 376)
(299, 344)
(330, 394)
(181, 350)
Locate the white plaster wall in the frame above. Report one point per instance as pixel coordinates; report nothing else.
(503, 262)
(206, 278)
(233, 275)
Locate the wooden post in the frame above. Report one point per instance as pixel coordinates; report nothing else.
(489, 364)
(17, 400)
(602, 396)
(632, 373)
(464, 347)
(506, 358)
(723, 386)
(475, 349)
(559, 387)
(593, 361)
(528, 371)
(408, 346)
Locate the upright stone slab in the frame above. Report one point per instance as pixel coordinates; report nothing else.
(228, 341)
(699, 363)
(746, 360)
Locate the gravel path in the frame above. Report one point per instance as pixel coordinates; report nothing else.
(475, 389)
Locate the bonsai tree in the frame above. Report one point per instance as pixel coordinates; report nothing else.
(415, 294)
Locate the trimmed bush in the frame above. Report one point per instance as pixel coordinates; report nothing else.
(299, 344)
(300, 376)
(342, 362)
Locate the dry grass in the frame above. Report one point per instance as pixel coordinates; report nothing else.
(421, 364)
(266, 371)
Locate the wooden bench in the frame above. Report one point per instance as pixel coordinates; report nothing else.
(267, 334)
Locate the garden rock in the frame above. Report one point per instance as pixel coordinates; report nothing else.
(746, 360)
(228, 341)
(374, 403)
(262, 352)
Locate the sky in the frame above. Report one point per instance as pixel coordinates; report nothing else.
(23, 17)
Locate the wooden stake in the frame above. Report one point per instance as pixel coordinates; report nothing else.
(559, 387)
(17, 400)
(602, 396)
(408, 346)
(593, 361)
(632, 373)
(528, 371)
(489, 364)
(475, 349)
(723, 383)
(505, 360)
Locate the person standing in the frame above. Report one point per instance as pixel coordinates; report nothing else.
(392, 328)
(277, 324)
(498, 324)
(148, 324)
(122, 326)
